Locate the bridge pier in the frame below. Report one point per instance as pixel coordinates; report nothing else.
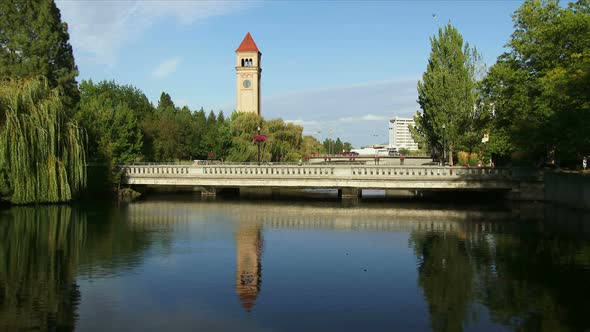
(400, 193)
(260, 192)
(207, 191)
(348, 193)
(527, 191)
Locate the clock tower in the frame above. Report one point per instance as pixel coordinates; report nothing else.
(248, 76)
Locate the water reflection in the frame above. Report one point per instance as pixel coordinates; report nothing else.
(178, 265)
(249, 263)
(530, 275)
(445, 274)
(40, 251)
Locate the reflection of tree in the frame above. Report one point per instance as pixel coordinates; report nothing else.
(530, 278)
(39, 252)
(112, 243)
(540, 282)
(446, 276)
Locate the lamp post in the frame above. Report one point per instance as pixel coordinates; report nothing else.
(443, 151)
(331, 131)
(258, 141)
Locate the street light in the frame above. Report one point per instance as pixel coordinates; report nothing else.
(331, 131)
(443, 151)
(258, 141)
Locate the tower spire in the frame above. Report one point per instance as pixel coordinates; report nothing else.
(248, 45)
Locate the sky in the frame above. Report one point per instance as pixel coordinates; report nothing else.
(338, 68)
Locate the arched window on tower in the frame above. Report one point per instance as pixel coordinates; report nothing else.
(242, 62)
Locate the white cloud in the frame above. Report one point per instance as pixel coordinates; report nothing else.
(358, 114)
(347, 119)
(99, 28)
(167, 67)
(368, 117)
(302, 122)
(371, 117)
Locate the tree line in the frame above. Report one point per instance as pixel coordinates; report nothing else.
(531, 107)
(51, 126)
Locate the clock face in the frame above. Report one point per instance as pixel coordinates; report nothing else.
(246, 84)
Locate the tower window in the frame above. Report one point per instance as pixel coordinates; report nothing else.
(242, 62)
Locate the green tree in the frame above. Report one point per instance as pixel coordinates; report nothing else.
(42, 152)
(284, 140)
(165, 103)
(447, 95)
(338, 146)
(539, 88)
(163, 130)
(243, 128)
(347, 146)
(111, 115)
(199, 150)
(311, 145)
(210, 140)
(35, 42)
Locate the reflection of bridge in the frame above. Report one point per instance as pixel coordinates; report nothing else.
(349, 179)
(156, 216)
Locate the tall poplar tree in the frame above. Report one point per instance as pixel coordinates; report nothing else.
(447, 95)
(35, 42)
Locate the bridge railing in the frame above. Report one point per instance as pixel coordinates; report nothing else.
(319, 171)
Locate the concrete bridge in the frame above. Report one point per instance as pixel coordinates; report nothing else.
(348, 179)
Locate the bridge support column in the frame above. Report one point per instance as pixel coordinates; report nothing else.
(348, 193)
(260, 192)
(527, 191)
(229, 192)
(208, 191)
(400, 193)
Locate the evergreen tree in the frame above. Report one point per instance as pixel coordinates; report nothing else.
(34, 41)
(338, 146)
(199, 127)
(447, 94)
(165, 103)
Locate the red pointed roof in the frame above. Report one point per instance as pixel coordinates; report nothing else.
(248, 45)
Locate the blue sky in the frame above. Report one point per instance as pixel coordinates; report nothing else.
(339, 68)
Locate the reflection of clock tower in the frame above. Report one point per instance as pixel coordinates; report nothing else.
(249, 264)
(248, 76)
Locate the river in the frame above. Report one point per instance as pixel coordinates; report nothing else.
(178, 263)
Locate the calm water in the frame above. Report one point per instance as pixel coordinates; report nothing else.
(180, 264)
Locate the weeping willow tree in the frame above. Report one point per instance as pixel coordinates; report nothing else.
(42, 155)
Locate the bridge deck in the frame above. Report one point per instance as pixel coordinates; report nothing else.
(323, 176)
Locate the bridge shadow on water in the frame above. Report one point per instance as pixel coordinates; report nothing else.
(443, 200)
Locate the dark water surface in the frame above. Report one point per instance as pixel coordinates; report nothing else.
(180, 264)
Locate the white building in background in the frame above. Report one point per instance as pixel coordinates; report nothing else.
(399, 134)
